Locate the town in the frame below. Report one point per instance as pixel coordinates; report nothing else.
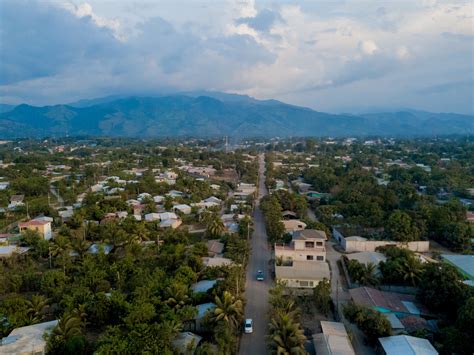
(205, 246)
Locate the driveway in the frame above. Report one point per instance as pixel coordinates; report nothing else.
(256, 292)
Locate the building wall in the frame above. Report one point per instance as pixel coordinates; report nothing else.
(301, 255)
(300, 283)
(371, 245)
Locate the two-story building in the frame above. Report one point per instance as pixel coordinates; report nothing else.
(302, 263)
(42, 226)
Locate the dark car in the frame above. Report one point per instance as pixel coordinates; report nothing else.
(259, 275)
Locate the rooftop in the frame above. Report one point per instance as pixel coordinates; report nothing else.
(309, 234)
(303, 270)
(27, 339)
(333, 340)
(463, 262)
(407, 345)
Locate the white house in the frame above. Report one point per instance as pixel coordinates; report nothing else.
(151, 217)
(27, 340)
(185, 209)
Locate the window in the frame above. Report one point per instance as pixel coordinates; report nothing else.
(320, 258)
(304, 283)
(309, 257)
(309, 244)
(319, 244)
(311, 283)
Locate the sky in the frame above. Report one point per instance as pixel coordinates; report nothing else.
(335, 56)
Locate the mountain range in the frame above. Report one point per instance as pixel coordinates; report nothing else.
(207, 114)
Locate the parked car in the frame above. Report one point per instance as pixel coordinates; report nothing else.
(259, 275)
(248, 328)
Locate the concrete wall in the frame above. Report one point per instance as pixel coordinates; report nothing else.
(421, 246)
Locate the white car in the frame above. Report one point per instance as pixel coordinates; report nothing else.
(248, 327)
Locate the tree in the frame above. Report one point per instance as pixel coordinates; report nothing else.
(369, 276)
(285, 335)
(65, 334)
(37, 307)
(441, 288)
(215, 225)
(373, 323)
(322, 296)
(60, 251)
(400, 227)
(228, 310)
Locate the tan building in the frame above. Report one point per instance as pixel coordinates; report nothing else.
(302, 263)
(293, 225)
(302, 274)
(306, 245)
(41, 226)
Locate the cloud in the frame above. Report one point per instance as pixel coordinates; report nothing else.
(368, 47)
(263, 21)
(329, 56)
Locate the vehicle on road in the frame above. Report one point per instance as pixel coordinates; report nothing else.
(259, 275)
(248, 327)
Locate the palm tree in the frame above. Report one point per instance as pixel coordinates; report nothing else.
(411, 269)
(37, 307)
(369, 276)
(229, 310)
(215, 226)
(60, 250)
(286, 336)
(80, 246)
(68, 326)
(178, 295)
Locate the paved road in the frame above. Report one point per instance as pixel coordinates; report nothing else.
(256, 292)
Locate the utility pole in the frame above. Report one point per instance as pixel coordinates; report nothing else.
(27, 213)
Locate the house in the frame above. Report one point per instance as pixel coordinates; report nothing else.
(151, 217)
(167, 215)
(186, 343)
(302, 274)
(216, 261)
(144, 196)
(215, 247)
(96, 248)
(289, 215)
(175, 193)
(333, 340)
(16, 201)
(306, 245)
(213, 199)
(203, 286)
(4, 185)
(184, 209)
(10, 250)
(170, 223)
(388, 302)
(7, 238)
(66, 213)
(41, 226)
(293, 225)
(357, 243)
(244, 190)
(27, 340)
(464, 263)
(406, 345)
(158, 199)
(202, 309)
